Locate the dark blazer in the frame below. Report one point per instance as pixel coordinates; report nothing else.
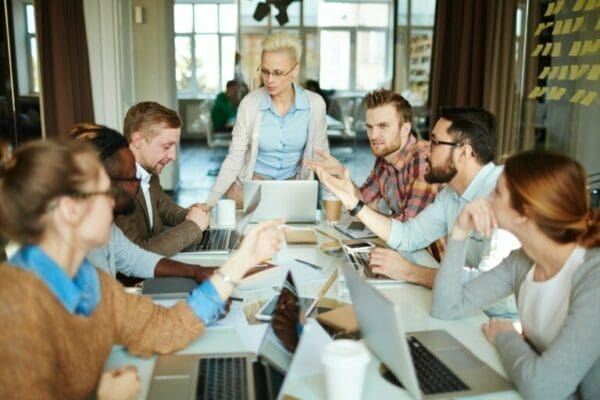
(159, 239)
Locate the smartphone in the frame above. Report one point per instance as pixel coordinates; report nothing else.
(359, 246)
(266, 311)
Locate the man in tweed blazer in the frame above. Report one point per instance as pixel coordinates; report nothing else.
(157, 224)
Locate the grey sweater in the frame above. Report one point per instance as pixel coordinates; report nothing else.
(570, 366)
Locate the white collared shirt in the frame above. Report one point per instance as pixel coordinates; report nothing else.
(145, 186)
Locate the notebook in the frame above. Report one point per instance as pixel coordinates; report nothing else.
(296, 201)
(222, 241)
(236, 375)
(428, 364)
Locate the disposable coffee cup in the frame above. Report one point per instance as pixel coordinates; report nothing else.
(226, 213)
(345, 364)
(332, 207)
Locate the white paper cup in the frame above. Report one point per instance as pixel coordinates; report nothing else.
(226, 213)
(345, 366)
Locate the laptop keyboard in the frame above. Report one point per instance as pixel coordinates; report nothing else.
(222, 379)
(362, 258)
(215, 239)
(433, 375)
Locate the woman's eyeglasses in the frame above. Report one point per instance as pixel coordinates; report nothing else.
(112, 192)
(277, 74)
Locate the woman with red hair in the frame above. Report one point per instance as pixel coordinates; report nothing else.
(542, 199)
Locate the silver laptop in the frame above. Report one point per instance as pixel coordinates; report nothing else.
(223, 241)
(296, 201)
(428, 364)
(236, 375)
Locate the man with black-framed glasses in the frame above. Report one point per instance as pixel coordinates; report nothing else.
(463, 142)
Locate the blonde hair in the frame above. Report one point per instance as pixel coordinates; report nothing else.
(283, 41)
(145, 116)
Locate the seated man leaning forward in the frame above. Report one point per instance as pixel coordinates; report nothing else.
(277, 126)
(398, 176)
(153, 132)
(461, 152)
(120, 254)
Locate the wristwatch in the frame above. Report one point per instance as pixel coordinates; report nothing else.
(357, 208)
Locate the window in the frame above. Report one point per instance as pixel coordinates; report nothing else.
(204, 46)
(32, 51)
(347, 44)
(413, 49)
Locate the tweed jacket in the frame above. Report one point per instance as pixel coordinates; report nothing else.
(170, 232)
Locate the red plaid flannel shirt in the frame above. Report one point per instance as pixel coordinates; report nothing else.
(402, 185)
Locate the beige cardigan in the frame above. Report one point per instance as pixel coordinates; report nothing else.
(243, 150)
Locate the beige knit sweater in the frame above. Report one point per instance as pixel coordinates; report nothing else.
(46, 352)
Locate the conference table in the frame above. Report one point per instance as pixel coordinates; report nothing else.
(236, 334)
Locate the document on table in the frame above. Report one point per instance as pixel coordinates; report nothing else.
(234, 318)
(252, 335)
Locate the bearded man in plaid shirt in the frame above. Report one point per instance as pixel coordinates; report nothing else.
(401, 163)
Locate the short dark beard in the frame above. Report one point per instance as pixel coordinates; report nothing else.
(441, 175)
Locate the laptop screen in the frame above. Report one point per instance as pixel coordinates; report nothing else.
(288, 317)
(241, 226)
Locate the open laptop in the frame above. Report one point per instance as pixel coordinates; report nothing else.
(223, 241)
(428, 364)
(236, 375)
(296, 201)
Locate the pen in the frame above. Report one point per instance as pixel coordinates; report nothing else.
(236, 299)
(315, 266)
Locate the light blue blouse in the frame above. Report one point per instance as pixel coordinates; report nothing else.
(282, 138)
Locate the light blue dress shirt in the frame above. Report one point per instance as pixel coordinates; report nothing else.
(437, 219)
(80, 295)
(282, 139)
(122, 255)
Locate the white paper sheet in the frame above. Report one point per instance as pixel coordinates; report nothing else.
(252, 335)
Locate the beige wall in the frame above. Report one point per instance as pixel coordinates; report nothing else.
(154, 63)
(153, 53)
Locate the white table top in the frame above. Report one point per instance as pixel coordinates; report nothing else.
(414, 299)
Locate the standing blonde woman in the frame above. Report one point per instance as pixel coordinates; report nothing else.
(60, 316)
(277, 126)
(542, 199)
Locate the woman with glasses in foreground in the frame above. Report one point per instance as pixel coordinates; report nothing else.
(60, 316)
(277, 126)
(542, 199)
